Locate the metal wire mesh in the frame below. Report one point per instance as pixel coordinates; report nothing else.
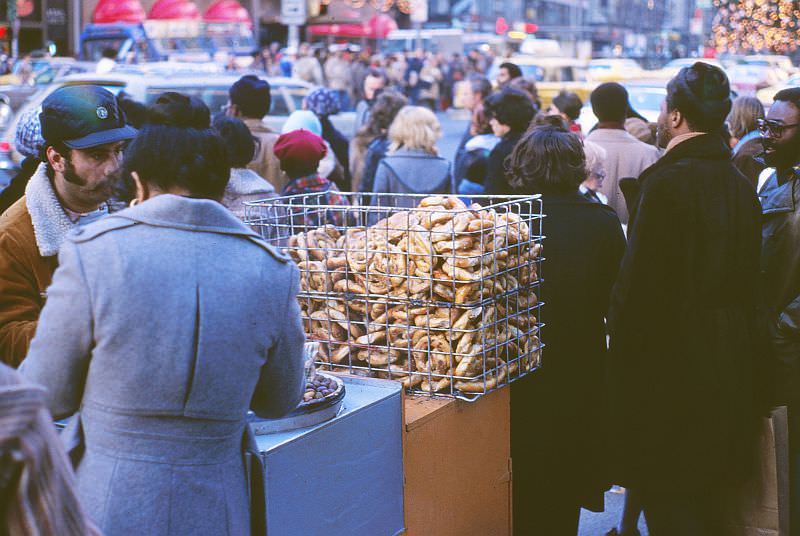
(427, 290)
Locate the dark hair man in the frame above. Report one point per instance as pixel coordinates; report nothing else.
(84, 133)
(510, 112)
(683, 356)
(374, 83)
(479, 89)
(625, 155)
(506, 73)
(780, 264)
(250, 101)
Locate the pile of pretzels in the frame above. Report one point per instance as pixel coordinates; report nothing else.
(439, 297)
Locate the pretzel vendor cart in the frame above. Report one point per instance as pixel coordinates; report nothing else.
(439, 294)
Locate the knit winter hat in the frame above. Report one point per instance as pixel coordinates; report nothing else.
(702, 94)
(300, 149)
(323, 102)
(28, 137)
(302, 119)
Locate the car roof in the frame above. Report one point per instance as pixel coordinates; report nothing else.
(524, 59)
(182, 79)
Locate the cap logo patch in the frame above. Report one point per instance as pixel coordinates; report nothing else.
(102, 113)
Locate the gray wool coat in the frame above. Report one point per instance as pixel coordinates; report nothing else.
(413, 172)
(164, 323)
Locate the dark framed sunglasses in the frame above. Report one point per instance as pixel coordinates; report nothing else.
(776, 128)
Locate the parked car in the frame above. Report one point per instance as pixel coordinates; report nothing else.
(747, 79)
(28, 78)
(212, 88)
(669, 70)
(552, 75)
(613, 70)
(645, 97)
(767, 95)
(783, 63)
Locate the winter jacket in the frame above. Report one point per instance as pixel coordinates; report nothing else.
(165, 323)
(685, 353)
(413, 172)
(31, 233)
(625, 157)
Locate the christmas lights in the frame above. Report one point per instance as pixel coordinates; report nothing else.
(756, 25)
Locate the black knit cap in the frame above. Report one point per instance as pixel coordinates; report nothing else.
(702, 94)
(610, 102)
(252, 95)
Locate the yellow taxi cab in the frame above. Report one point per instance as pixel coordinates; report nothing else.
(552, 75)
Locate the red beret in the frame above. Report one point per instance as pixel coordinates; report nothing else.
(299, 146)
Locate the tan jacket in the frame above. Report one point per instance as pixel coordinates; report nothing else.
(626, 157)
(265, 163)
(28, 259)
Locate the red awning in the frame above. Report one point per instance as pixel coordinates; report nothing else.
(174, 9)
(109, 11)
(227, 11)
(377, 27)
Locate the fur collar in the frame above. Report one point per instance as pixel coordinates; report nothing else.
(50, 223)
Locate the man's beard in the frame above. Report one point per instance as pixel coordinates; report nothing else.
(663, 135)
(782, 156)
(71, 176)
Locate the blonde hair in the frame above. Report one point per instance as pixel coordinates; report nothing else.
(744, 116)
(595, 155)
(415, 127)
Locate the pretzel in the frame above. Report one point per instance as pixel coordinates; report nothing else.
(478, 386)
(418, 295)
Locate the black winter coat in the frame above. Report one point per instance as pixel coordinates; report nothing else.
(683, 366)
(16, 188)
(496, 182)
(557, 413)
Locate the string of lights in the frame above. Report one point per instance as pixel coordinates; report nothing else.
(757, 25)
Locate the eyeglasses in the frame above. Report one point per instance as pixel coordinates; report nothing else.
(775, 128)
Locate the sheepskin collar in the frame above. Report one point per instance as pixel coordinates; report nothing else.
(50, 223)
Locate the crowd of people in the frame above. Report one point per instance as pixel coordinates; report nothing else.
(427, 79)
(129, 283)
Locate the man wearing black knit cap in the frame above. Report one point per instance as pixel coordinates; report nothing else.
(625, 155)
(683, 368)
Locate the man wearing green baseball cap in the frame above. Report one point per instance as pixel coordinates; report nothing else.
(84, 133)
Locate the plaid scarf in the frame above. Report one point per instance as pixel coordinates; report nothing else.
(318, 191)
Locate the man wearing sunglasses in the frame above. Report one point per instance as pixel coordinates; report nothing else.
(780, 266)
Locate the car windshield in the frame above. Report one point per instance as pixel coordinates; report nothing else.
(92, 49)
(216, 97)
(646, 98)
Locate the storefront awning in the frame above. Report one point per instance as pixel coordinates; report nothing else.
(377, 27)
(110, 11)
(227, 11)
(174, 9)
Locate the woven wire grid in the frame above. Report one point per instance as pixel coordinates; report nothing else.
(442, 297)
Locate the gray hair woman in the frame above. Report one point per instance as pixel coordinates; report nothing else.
(164, 324)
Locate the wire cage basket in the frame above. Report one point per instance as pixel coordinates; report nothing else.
(428, 290)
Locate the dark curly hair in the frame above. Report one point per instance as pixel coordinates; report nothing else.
(511, 107)
(174, 157)
(547, 160)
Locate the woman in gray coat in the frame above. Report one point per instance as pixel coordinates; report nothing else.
(412, 165)
(163, 325)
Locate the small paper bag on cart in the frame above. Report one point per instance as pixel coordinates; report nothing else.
(761, 506)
